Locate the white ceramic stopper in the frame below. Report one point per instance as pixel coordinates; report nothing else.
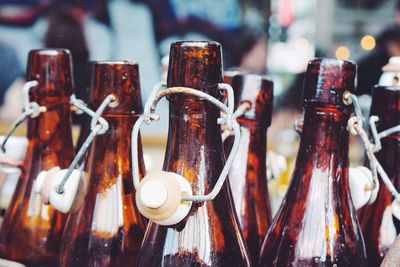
(394, 60)
(391, 73)
(154, 194)
(159, 197)
(44, 183)
(40, 180)
(360, 178)
(184, 207)
(63, 202)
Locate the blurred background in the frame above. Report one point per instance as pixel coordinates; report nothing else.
(276, 37)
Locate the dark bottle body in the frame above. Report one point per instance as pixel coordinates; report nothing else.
(316, 224)
(104, 227)
(379, 227)
(31, 231)
(248, 176)
(210, 235)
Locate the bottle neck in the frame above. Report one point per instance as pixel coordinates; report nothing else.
(386, 105)
(109, 181)
(324, 143)
(255, 134)
(50, 137)
(255, 126)
(110, 154)
(194, 147)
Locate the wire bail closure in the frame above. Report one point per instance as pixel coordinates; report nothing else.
(31, 109)
(378, 136)
(98, 126)
(355, 126)
(58, 187)
(240, 111)
(159, 91)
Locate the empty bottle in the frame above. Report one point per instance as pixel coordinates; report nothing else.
(379, 226)
(248, 175)
(210, 234)
(104, 227)
(316, 224)
(31, 231)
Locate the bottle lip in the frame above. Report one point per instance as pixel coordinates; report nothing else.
(326, 80)
(195, 64)
(119, 78)
(255, 89)
(113, 62)
(50, 51)
(52, 69)
(195, 43)
(316, 63)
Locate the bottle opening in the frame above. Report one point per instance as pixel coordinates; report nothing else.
(326, 81)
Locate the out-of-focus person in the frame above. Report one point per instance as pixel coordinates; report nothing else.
(243, 38)
(252, 49)
(370, 66)
(11, 82)
(66, 30)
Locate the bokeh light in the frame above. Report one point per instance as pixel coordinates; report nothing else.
(342, 53)
(367, 42)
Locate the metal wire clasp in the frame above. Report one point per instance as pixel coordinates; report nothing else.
(240, 111)
(31, 109)
(355, 126)
(98, 126)
(378, 136)
(159, 91)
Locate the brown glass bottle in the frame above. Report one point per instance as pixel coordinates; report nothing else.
(316, 224)
(376, 220)
(31, 231)
(248, 175)
(210, 235)
(104, 227)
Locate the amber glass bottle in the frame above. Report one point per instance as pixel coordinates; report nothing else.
(379, 227)
(210, 235)
(104, 227)
(31, 231)
(248, 176)
(316, 224)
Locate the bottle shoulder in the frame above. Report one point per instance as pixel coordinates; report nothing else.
(318, 224)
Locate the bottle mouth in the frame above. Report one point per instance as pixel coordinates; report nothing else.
(52, 69)
(119, 78)
(327, 80)
(195, 43)
(195, 49)
(195, 64)
(51, 51)
(113, 62)
(257, 90)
